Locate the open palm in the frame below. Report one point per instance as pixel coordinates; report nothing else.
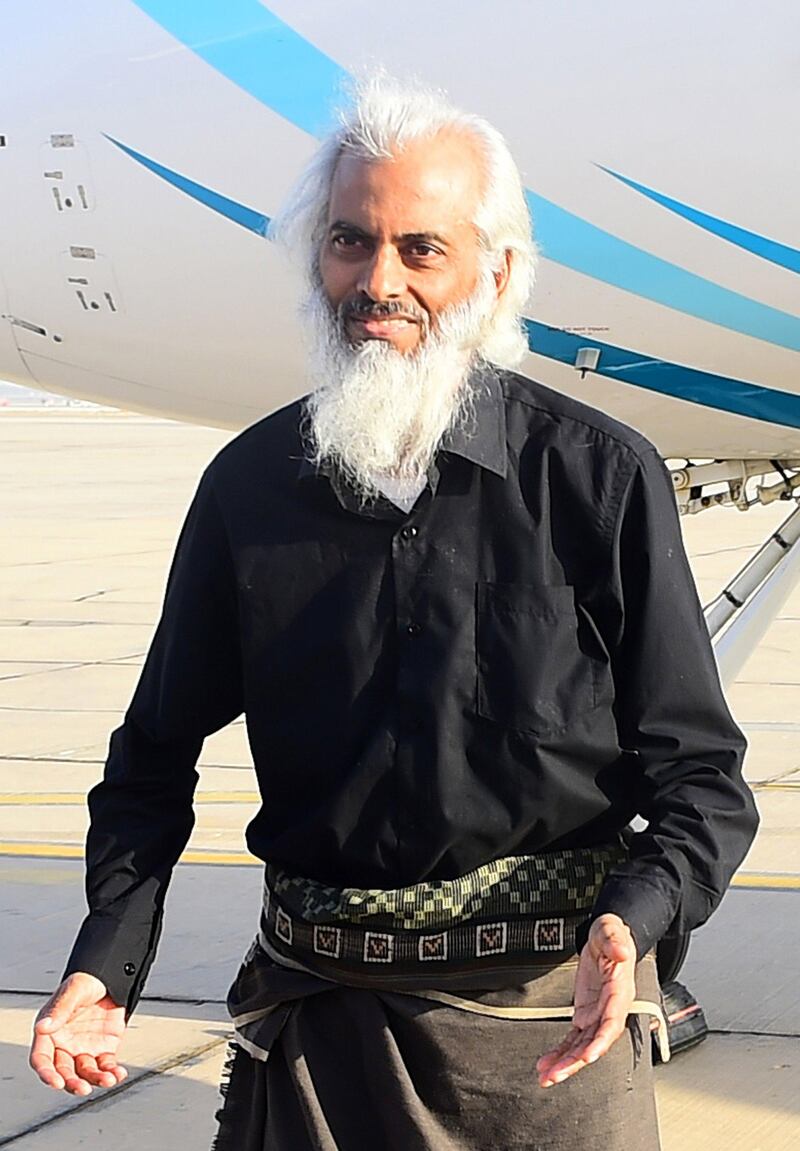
(76, 1038)
(604, 992)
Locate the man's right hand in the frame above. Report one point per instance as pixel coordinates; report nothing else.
(76, 1037)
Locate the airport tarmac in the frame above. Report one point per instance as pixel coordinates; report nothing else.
(92, 502)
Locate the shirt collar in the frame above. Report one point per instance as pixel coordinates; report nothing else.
(481, 440)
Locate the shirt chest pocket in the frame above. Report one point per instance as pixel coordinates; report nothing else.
(532, 674)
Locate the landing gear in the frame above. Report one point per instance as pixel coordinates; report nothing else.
(686, 1023)
(740, 615)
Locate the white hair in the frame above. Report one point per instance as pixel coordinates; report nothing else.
(384, 116)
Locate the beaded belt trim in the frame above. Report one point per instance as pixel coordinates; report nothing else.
(513, 912)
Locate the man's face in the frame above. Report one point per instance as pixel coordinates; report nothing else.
(400, 245)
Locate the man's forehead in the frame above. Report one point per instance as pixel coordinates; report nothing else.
(428, 186)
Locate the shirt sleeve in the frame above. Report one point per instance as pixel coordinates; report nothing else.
(672, 716)
(141, 812)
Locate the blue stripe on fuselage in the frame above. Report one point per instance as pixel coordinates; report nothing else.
(684, 383)
(767, 249)
(231, 209)
(256, 50)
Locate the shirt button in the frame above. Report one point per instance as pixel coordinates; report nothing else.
(408, 532)
(414, 629)
(129, 968)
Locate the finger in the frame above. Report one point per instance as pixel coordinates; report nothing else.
(587, 1049)
(52, 1016)
(613, 941)
(44, 1020)
(50, 1077)
(108, 1063)
(565, 1048)
(41, 1060)
(73, 994)
(613, 1003)
(78, 1086)
(65, 1066)
(605, 1037)
(64, 1063)
(561, 1071)
(611, 1009)
(570, 1061)
(570, 1058)
(86, 1068)
(57, 1016)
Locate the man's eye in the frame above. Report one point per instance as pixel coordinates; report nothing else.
(424, 251)
(344, 241)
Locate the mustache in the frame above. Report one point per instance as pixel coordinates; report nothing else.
(363, 307)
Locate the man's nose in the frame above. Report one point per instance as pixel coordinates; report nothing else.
(383, 277)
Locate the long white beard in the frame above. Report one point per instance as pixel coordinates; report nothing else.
(379, 412)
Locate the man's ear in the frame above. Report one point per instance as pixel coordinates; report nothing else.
(503, 273)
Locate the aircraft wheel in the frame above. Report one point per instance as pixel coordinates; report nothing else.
(686, 1022)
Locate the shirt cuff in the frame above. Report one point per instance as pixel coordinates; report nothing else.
(641, 906)
(119, 957)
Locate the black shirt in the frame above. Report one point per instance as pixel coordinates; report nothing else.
(518, 664)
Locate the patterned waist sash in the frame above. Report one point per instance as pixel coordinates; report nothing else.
(499, 941)
(514, 913)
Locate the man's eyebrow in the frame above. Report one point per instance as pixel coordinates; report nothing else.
(346, 226)
(405, 238)
(424, 238)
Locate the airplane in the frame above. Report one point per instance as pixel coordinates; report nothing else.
(145, 145)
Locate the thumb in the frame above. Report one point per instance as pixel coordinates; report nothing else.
(77, 991)
(612, 938)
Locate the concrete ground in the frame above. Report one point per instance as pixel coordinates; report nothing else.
(91, 506)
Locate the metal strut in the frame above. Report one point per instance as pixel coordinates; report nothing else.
(756, 593)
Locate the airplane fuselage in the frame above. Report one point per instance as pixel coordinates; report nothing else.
(144, 147)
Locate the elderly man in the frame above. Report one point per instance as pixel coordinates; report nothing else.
(455, 610)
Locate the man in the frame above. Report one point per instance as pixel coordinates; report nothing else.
(455, 609)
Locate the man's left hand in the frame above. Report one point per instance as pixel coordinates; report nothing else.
(604, 993)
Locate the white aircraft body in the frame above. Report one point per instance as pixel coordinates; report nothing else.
(145, 145)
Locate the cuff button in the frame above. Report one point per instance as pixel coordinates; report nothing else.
(129, 968)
